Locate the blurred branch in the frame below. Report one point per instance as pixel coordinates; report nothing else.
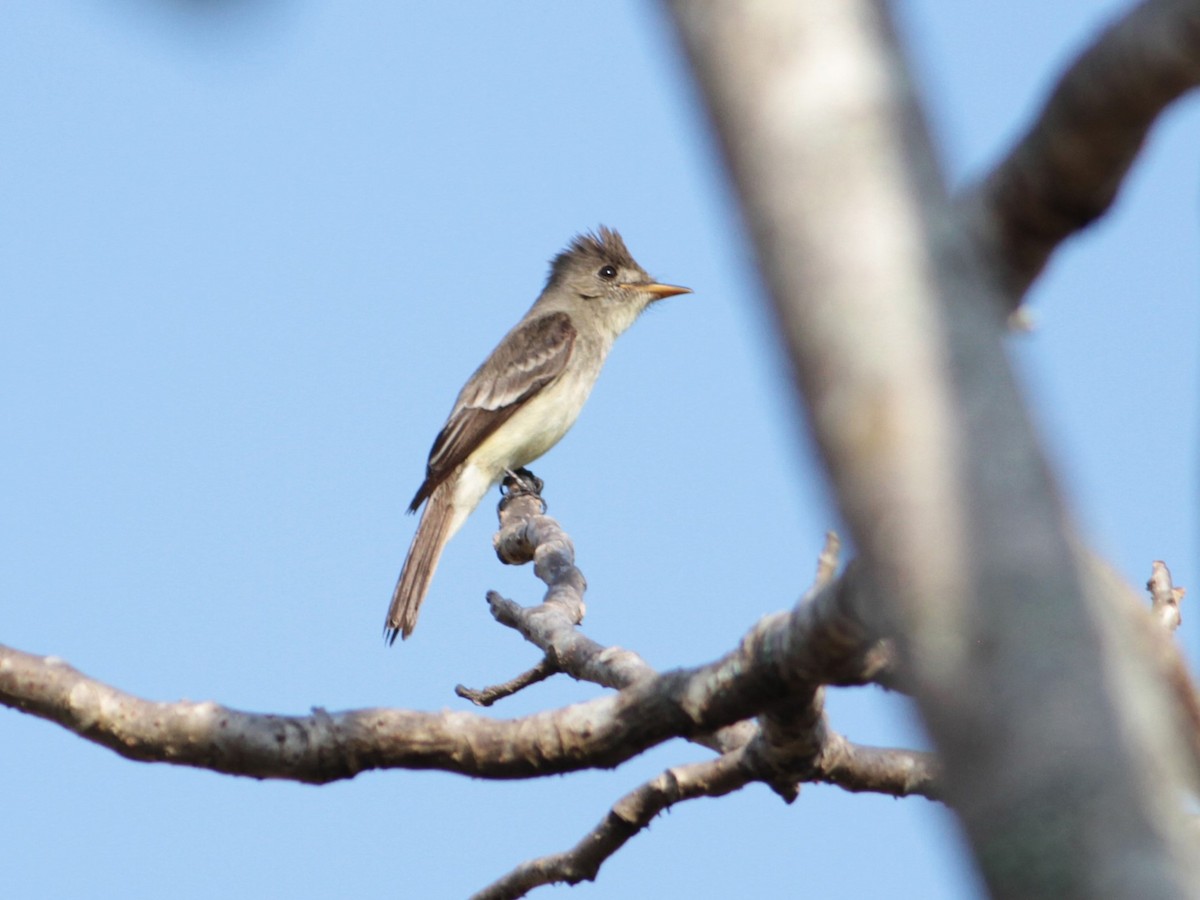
(1067, 169)
(895, 333)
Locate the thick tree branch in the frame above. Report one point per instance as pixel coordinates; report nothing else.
(1039, 705)
(779, 653)
(326, 746)
(1066, 171)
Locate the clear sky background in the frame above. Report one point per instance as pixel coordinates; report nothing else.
(249, 254)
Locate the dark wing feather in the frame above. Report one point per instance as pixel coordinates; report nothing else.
(529, 358)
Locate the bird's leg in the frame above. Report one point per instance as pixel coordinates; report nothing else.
(521, 482)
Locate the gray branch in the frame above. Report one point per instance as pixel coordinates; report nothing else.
(896, 772)
(1063, 754)
(779, 653)
(790, 744)
(326, 747)
(793, 744)
(1067, 169)
(631, 814)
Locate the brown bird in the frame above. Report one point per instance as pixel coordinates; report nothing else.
(524, 397)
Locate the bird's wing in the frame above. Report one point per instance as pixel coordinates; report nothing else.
(530, 357)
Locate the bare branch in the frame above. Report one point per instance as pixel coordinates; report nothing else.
(881, 770)
(794, 742)
(489, 695)
(631, 814)
(900, 773)
(326, 746)
(777, 654)
(526, 534)
(1066, 171)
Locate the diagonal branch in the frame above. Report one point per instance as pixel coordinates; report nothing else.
(1067, 169)
(631, 814)
(899, 773)
(489, 695)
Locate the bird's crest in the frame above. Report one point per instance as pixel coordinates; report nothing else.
(592, 248)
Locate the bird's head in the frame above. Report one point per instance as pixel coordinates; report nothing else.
(597, 275)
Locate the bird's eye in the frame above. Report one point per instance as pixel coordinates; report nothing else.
(608, 273)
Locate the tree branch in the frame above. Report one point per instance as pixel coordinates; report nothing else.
(1067, 169)
(526, 534)
(489, 695)
(327, 746)
(631, 814)
(899, 773)
(777, 654)
(879, 770)
(791, 743)
(895, 338)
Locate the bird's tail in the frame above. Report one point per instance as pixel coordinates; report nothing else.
(433, 531)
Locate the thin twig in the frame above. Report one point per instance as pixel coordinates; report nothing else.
(489, 695)
(631, 814)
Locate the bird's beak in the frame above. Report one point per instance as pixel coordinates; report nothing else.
(659, 291)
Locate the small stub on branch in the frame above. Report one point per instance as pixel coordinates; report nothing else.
(1164, 596)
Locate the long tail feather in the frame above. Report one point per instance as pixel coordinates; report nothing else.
(432, 533)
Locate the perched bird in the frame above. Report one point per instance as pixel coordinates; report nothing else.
(524, 397)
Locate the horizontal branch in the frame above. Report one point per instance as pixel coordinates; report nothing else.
(778, 653)
(878, 770)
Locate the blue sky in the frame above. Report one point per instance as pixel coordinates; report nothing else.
(248, 257)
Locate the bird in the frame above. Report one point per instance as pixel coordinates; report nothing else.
(523, 398)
